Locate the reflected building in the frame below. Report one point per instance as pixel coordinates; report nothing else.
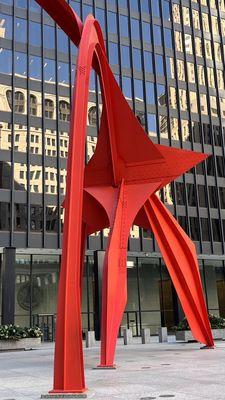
(168, 58)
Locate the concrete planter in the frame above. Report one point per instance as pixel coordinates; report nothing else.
(21, 344)
(186, 336)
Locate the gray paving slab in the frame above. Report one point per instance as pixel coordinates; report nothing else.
(152, 371)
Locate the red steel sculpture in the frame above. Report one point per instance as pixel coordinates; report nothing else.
(115, 189)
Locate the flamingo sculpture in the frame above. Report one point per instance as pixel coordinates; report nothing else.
(116, 189)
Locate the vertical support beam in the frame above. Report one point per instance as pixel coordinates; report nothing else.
(8, 285)
(98, 271)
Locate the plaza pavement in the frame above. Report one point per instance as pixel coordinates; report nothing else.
(153, 371)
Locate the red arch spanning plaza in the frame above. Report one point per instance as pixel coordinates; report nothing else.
(115, 189)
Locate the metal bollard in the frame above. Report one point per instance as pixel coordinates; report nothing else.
(127, 336)
(145, 335)
(90, 338)
(163, 336)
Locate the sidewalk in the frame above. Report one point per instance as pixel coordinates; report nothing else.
(154, 371)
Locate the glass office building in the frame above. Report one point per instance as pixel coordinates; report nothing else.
(169, 59)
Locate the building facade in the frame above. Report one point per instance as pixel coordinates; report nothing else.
(169, 59)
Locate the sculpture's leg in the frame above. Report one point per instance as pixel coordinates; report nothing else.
(121, 204)
(180, 257)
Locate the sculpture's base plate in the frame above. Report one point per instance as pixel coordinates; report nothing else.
(207, 348)
(63, 395)
(105, 367)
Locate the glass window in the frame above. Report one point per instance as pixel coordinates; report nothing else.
(220, 166)
(152, 128)
(134, 5)
(159, 65)
(166, 10)
(125, 56)
(20, 64)
(215, 287)
(4, 216)
(63, 73)
(191, 194)
(213, 197)
(36, 218)
(113, 53)
(63, 41)
(167, 38)
(222, 198)
(21, 3)
(5, 26)
(148, 62)
(20, 217)
(135, 29)
(194, 228)
(126, 83)
(157, 35)
(35, 34)
(161, 95)
(9, 2)
(137, 59)
(5, 61)
(51, 219)
(170, 67)
(112, 22)
(49, 70)
(155, 8)
(100, 16)
(146, 32)
(216, 230)
(34, 6)
(49, 37)
(45, 279)
(150, 95)
(149, 284)
(202, 196)
(145, 6)
(205, 229)
(35, 67)
(180, 192)
(21, 30)
(138, 89)
(124, 31)
(87, 10)
(64, 110)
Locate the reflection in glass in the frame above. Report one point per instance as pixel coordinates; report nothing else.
(20, 217)
(5, 26)
(5, 216)
(21, 30)
(150, 285)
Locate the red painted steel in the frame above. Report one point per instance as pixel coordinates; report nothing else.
(116, 189)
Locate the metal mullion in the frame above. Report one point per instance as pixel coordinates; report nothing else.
(28, 127)
(12, 191)
(210, 121)
(58, 133)
(200, 120)
(43, 129)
